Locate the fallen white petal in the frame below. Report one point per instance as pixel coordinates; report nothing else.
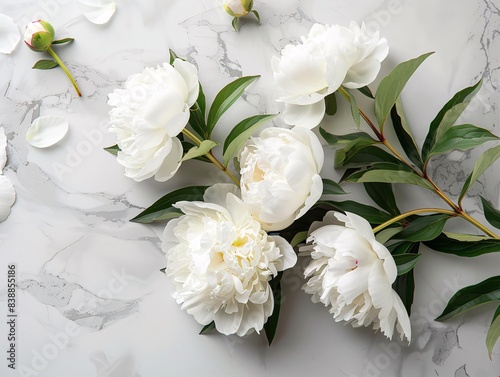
(46, 131)
(97, 11)
(3, 149)
(7, 197)
(9, 34)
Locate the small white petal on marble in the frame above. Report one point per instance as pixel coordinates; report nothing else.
(46, 131)
(3, 149)
(7, 197)
(9, 34)
(97, 11)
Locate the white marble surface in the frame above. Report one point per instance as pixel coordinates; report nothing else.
(91, 298)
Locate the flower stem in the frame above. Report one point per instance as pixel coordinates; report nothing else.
(211, 157)
(413, 212)
(457, 210)
(61, 64)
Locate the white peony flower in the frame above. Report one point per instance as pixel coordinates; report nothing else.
(353, 273)
(221, 262)
(238, 8)
(148, 115)
(326, 59)
(280, 178)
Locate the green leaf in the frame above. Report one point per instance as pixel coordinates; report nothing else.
(240, 134)
(236, 24)
(383, 196)
(466, 237)
(354, 109)
(367, 92)
(163, 208)
(299, 238)
(114, 149)
(469, 297)
(187, 146)
(201, 150)
(331, 104)
(335, 140)
(197, 115)
(482, 163)
(493, 332)
(45, 64)
(403, 247)
(62, 41)
(272, 322)
(391, 86)
(385, 235)
(447, 116)
(173, 56)
(404, 134)
(208, 328)
(424, 228)
(405, 284)
(463, 137)
(371, 214)
(375, 174)
(406, 262)
(491, 213)
(225, 98)
(448, 245)
(332, 188)
(360, 153)
(256, 15)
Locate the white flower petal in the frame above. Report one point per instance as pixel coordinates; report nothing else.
(307, 116)
(97, 11)
(46, 131)
(190, 75)
(217, 193)
(171, 163)
(7, 197)
(9, 34)
(3, 149)
(289, 257)
(404, 326)
(316, 192)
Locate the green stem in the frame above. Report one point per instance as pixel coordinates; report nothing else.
(61, 64)
(211, 157)
(413, 212)
(457, 211)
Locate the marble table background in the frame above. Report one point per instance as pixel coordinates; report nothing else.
(91, 298)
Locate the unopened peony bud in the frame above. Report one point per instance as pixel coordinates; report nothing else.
(39, 35)
(238, 8)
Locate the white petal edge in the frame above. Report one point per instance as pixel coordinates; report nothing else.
(307, 116)
(3, 149)
(46, 131)
(7, 197)
(9, 34)
(97, 11)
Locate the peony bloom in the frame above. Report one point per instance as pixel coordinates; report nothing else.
(221, 262)
(39, 35)
(353, 273)
(326, 59)
(238, 8)
(280, 178)
(148, 115)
